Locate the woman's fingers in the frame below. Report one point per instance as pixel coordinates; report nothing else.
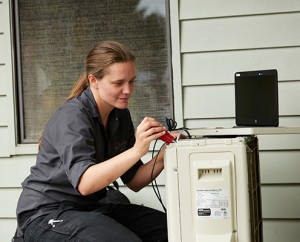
(150, 129)
(148, 123)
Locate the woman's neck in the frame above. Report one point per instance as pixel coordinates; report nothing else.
(103, 108)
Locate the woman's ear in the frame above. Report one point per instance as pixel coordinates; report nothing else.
(93, 81)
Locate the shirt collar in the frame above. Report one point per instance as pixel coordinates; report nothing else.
(89, 102)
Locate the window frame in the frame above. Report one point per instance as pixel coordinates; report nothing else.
(17, 69)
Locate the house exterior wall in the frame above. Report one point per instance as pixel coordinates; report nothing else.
(210, 42)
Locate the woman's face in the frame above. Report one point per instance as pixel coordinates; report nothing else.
(116, 87)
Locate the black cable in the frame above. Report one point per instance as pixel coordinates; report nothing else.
(153, 181)
(171, 124)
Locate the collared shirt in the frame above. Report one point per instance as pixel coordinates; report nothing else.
(73, 140)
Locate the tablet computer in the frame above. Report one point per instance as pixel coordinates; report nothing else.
(256, 98)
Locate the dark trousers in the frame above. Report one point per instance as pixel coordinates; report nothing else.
(108, 223)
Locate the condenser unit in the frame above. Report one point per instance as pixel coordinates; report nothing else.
(213, 190)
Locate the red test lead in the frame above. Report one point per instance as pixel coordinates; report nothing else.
(167, 137)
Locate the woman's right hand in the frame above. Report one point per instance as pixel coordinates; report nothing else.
(149, 129)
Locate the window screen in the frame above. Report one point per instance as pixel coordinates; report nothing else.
(53, 38)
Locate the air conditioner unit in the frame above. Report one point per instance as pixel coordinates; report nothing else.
(213, 190)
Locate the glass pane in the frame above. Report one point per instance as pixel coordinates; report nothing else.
(55, 37)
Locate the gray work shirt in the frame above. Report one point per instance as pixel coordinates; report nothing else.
(73, 140)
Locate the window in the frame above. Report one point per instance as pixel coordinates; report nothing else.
(53, 38)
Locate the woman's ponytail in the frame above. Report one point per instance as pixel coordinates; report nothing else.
(79, 86)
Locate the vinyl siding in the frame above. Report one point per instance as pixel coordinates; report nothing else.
(9, 189)
(212, 41)
(5, 79)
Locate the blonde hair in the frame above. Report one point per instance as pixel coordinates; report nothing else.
(103, 54)
(98, 60)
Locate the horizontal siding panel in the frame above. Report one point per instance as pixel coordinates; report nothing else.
(281, 231)
(248, 32)
(4, 14)
(289, 98)
(281, 202)
(3, 111)
(26, 149)
(7, 134)
(280, 167)
(209, 123)
(4, 37)
(219, 67)
(289, 121)
(207, 8)
(3, 50)
(208, 102)
(230, 122)
(218, 101)
(7, 229)
(14, 170)
(3, 79)
(279, 142)
(5, 41)
(9, 204)
(4, 142)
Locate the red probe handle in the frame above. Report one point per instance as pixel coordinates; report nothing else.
(167, 137)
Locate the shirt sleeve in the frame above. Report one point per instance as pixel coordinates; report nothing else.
(72, 137)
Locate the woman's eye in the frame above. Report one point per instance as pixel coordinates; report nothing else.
(118, 83)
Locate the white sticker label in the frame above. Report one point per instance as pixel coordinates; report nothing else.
(212, 204)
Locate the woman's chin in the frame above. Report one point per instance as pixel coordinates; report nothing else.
(122, 106)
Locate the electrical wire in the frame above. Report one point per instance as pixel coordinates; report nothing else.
(153, 180)
(171, 124)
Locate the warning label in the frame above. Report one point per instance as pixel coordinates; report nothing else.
(212, 204)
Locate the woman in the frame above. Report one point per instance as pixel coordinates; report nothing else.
(88, 143)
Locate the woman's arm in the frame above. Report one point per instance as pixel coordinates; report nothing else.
(102, 174)
(146, 173)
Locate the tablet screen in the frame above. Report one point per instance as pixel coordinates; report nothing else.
(256, 98)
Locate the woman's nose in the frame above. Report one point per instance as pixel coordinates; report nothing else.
(127, 89)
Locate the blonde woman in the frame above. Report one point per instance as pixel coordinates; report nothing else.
(89, 143)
